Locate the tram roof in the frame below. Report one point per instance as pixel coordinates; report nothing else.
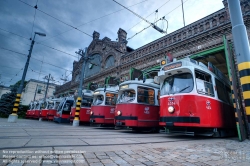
(109, 89)
(187, 62)
(148, 82)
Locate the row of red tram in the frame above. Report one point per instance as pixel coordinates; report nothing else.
(43, 109)
(186, 97)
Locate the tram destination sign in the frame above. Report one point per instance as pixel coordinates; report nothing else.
(172, 66)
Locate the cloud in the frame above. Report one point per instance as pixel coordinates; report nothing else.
(18, 18)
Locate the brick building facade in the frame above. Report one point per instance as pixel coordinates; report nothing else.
(115, 58)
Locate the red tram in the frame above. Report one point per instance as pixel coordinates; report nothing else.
(63, 110)
(54, 104)
(103, 106)
(195, 99)
(46, 106)
(137, 105)
(84, 115)
(38, 106)
(29, 112)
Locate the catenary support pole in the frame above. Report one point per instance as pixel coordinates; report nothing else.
(46, 88)
(35, 93)
(242, 50)
(13, 117)
(79, 97)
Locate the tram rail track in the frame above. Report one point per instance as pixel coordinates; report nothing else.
(94, 145)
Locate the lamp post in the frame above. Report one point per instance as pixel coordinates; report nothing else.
(13, 117)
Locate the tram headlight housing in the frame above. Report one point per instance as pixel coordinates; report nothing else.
(119, 113)
(91, 113)
(171, 109)
(163, 62)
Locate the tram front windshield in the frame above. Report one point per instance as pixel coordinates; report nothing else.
(67, 106)
(179, 83)
(31, 106)
(98, 100)
(86, 102)
(126, 96)
(50, 105)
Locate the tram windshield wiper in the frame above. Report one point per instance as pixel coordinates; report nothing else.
(182, 89)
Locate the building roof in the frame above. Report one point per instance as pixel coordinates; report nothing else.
(43, 82)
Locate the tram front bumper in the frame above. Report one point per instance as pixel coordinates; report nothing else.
(169, 124)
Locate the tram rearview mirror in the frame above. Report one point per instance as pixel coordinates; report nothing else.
(157, 80)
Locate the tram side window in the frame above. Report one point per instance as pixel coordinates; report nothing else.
(146, 95)
(60, 107)
(223, 91)
(56, 105)
(51, 105)
(204, 83)
(67, 106)
(110, 99)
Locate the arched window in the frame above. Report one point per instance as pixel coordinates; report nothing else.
(93, 66)
(110, 61)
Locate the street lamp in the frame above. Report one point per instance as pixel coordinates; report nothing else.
(13, 117)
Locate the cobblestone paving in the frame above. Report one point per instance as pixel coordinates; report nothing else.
(226, 152)
(223, 153)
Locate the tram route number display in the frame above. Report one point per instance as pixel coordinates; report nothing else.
(172, 66)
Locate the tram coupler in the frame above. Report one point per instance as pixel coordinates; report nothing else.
(119, 124)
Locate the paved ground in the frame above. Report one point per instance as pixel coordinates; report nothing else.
(32, 142)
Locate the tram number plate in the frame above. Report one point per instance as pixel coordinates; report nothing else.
(172, 66)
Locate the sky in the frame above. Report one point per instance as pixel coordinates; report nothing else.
(69, 25)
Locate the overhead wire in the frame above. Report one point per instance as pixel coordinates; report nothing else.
(156, 20)
(92, 21)
(15, 39)
(149, 14)
(39, 43)
(10, 67)
(14, 34)
(40, 72)
(33, 58)
(41, 67)
(133, 12)
(58, 19)
(172, 10)
(16, 75)
(141, 21)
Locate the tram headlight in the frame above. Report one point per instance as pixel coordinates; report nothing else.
(91, 113)
(171, 109)
(163, 62)
(119, 113)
